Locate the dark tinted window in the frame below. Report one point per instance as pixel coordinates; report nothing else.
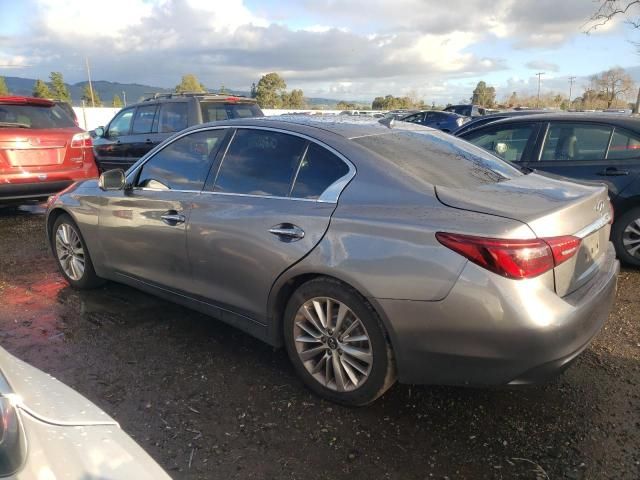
(624, 145)
(417, 118)
(121, 123)
(173, 117)
(34, 116)
(319, 169)
(260, 162)
(576, 141)
(183, 164)
(439, 159)
(508, 141)
(212, 111)
(143, 120)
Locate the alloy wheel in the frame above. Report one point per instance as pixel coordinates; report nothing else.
(333, 344)
(631, 238)
(70, 251)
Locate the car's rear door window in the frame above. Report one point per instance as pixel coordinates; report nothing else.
(318, 170)
(439, 159)
(173, 117)
(623, 145)
(143, 120)
(260, 162)
(507, 142)
(183, 164)
(567, 141)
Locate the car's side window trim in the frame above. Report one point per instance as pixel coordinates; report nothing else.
(295, 176)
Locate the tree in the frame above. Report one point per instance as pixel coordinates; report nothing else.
(59, 90)
(4, 90)
(610, 9)
(86, 96)
(343, 105)
(41, 90)
(389, 102)
(483, 95)
(254, 91)
(223, 90)
(117, 102)
(513, 100)
(295, 99)
(269, 90)
(190, 83)
(614, 83)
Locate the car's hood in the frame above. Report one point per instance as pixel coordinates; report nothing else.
(46, 398)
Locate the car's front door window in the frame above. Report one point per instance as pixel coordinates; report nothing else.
(121, 124)
(183, 164)
(508, 142)
(575, 141)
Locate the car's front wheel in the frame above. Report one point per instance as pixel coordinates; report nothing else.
(626, 237)
(72, 254)
(337, 343)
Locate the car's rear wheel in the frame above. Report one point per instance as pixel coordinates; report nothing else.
(626, 237)
(72, 254)
(337, 343)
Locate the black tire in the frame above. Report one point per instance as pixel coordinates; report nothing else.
(89, 279)
(382, 373)
(617, 235)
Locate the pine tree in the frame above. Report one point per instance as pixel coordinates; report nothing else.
(86, 96)
(117, 102)
(41, 90)
(190, 83)
(59, 90)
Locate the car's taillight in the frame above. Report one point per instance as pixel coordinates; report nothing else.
(515, 259)
(81, 140)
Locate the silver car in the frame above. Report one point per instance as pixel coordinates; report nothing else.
(47, 431)
(372, 251)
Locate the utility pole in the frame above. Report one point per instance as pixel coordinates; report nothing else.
(571, 80)
(124, 98)
(539, 74)
(637, 106)
(93, 102)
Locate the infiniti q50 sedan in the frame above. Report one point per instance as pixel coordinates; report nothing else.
(370, 250)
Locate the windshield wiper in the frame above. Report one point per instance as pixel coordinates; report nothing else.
(14, 125)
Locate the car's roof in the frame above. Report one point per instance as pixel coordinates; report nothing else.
(345, 126)
(625, 121)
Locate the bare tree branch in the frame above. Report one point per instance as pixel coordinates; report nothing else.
(609, 9)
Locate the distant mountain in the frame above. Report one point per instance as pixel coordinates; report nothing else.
(133, 92)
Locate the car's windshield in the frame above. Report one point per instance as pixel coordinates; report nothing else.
(34, 116)
(212, 111)
(439, 159)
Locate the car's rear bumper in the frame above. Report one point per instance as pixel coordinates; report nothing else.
(33, 191)
(493, 331)
(40, 184)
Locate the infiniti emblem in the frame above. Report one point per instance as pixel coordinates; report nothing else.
(600, 206)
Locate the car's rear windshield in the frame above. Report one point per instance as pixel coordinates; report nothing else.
(34, 116)
(439, 159)
(212, 111)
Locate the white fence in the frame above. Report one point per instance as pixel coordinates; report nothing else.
(90, 118)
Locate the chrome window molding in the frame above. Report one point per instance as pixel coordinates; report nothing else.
(330, 195)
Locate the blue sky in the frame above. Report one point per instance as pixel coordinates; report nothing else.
(355, 49)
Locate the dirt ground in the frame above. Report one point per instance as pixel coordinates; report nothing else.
(207, 401)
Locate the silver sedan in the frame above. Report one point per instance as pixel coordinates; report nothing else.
(371, 251)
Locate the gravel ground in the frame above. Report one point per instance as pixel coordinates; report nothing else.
(207, 401)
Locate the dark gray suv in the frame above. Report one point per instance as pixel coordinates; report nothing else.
(137, 128)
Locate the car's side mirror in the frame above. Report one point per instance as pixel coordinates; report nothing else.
(112, 180)
(99, 132)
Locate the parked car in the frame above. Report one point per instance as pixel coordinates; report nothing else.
(398, 114)
(466, 110)
(445, 121)
(42, 150)
(138, 128)
(593, 147)
(369, 250)
(483, 120)
(50, 431)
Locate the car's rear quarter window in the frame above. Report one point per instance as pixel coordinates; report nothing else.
(439, 159)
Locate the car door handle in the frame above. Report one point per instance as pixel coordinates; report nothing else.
(173, 218)
(613, 172)
(148, 141)
(287, 232)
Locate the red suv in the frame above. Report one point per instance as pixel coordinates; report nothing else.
(42, 150)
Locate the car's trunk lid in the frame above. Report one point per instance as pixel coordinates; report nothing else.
(551, 208)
